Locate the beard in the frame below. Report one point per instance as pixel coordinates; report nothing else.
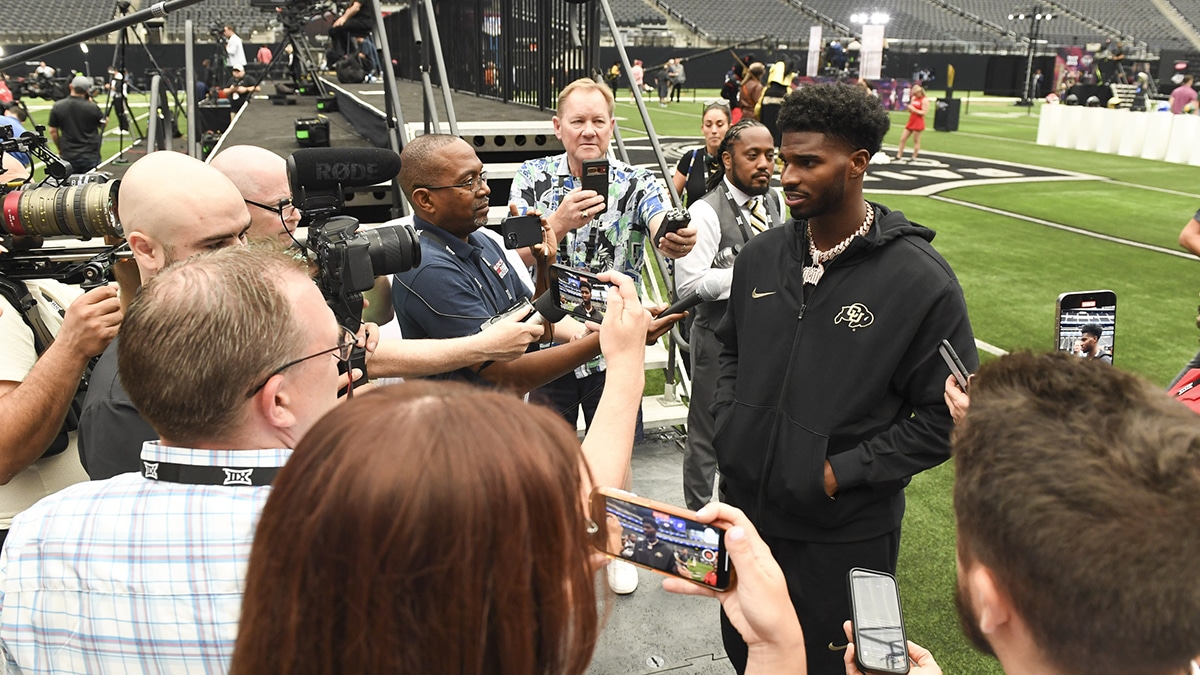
(970, 621)
(750, 190)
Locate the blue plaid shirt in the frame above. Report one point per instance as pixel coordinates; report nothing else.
(132, 575)
(634, 197)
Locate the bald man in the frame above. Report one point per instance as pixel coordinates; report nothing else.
(261, 176)
(172, 207)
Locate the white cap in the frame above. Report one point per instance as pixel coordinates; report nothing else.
(82, 82)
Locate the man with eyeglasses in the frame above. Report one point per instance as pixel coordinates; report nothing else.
(231, 356)
(464, 278)
(172, 207)
(261, 176)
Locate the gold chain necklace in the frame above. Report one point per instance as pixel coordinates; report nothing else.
(813, 273)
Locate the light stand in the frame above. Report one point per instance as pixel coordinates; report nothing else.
(1036, 16)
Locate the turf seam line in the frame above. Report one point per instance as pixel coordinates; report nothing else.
(1066, 228)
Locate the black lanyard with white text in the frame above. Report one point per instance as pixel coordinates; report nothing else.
(737, 213)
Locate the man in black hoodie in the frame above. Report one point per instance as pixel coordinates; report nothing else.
(829, 397)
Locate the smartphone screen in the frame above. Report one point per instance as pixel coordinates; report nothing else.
(1087, 324)
(880, 644)
(595, 178)
(663, 538)
(579, 293)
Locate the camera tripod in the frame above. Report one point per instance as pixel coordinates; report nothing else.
(118, 91)
(298, 62)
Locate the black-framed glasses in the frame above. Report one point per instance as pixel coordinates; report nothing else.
(344, 347)
(474, 183)
(278, 209)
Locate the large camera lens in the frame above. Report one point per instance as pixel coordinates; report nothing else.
(82, 211)
(393, 248)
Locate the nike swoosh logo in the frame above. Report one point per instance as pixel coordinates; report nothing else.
(755, 294)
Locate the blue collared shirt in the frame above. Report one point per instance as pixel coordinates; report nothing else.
(130, 574)
(457, 287)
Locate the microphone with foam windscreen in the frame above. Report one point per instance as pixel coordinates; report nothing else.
(314, 173)
(545, 310)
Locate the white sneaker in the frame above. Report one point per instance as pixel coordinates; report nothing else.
(622, 577)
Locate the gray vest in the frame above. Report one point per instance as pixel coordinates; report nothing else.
(709, 313)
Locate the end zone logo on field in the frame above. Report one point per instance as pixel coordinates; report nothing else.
(930, 174)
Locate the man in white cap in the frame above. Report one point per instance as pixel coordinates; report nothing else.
(75, 126)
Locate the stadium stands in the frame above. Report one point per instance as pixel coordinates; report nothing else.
(40, 20)
(754, 18)
(1062, 29)
(636, 13)
(245, 19)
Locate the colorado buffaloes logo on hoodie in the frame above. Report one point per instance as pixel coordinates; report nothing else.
(856, 316)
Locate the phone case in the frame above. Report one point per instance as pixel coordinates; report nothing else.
(889, 642)
(695, 565)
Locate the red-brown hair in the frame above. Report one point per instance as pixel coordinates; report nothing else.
(424, 528)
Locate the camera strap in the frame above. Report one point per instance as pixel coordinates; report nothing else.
(589, 244)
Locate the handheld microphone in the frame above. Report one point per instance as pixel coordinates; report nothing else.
(708, 290)
(316, 169)
(545, 310)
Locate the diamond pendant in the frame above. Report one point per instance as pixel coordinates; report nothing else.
(813, 274)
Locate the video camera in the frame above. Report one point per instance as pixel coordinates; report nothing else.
(348, 259)
(80, 206)
(216, 29)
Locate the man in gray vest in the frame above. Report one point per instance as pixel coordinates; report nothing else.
(738, 205)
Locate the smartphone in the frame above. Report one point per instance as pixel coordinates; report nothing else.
(1083, 314)
(595, 177)
(880, 645)
(956, 365)
(673, 221)
(660, 537)
(579, 292)
(521, 231)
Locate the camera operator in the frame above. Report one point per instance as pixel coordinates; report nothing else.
(76, 123)
(235, 54)
(261, 176)
(172, 207)
(38, 454)
(239, 88)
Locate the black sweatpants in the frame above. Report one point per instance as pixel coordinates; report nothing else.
(816, 578)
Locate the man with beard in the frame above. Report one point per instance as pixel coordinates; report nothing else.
(1076, 493)
(172, 207)
(739, 204)
(829, 397)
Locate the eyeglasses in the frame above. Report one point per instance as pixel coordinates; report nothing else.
(279, 208)
(474, 184)
(343, 349)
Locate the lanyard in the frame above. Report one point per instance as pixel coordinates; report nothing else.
(483, 289)
(188, 474)
(563, 247)
(737, 213)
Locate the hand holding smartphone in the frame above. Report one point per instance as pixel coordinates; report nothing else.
(880, 644)
(595, 178)
(579, 292)
(961, 376)
(661, 537)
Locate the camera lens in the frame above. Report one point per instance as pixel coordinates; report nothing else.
(393, 248)
(82, 211)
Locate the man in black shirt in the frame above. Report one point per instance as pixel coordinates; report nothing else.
(75, 126)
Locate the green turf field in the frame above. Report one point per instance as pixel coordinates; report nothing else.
(1011, 271)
